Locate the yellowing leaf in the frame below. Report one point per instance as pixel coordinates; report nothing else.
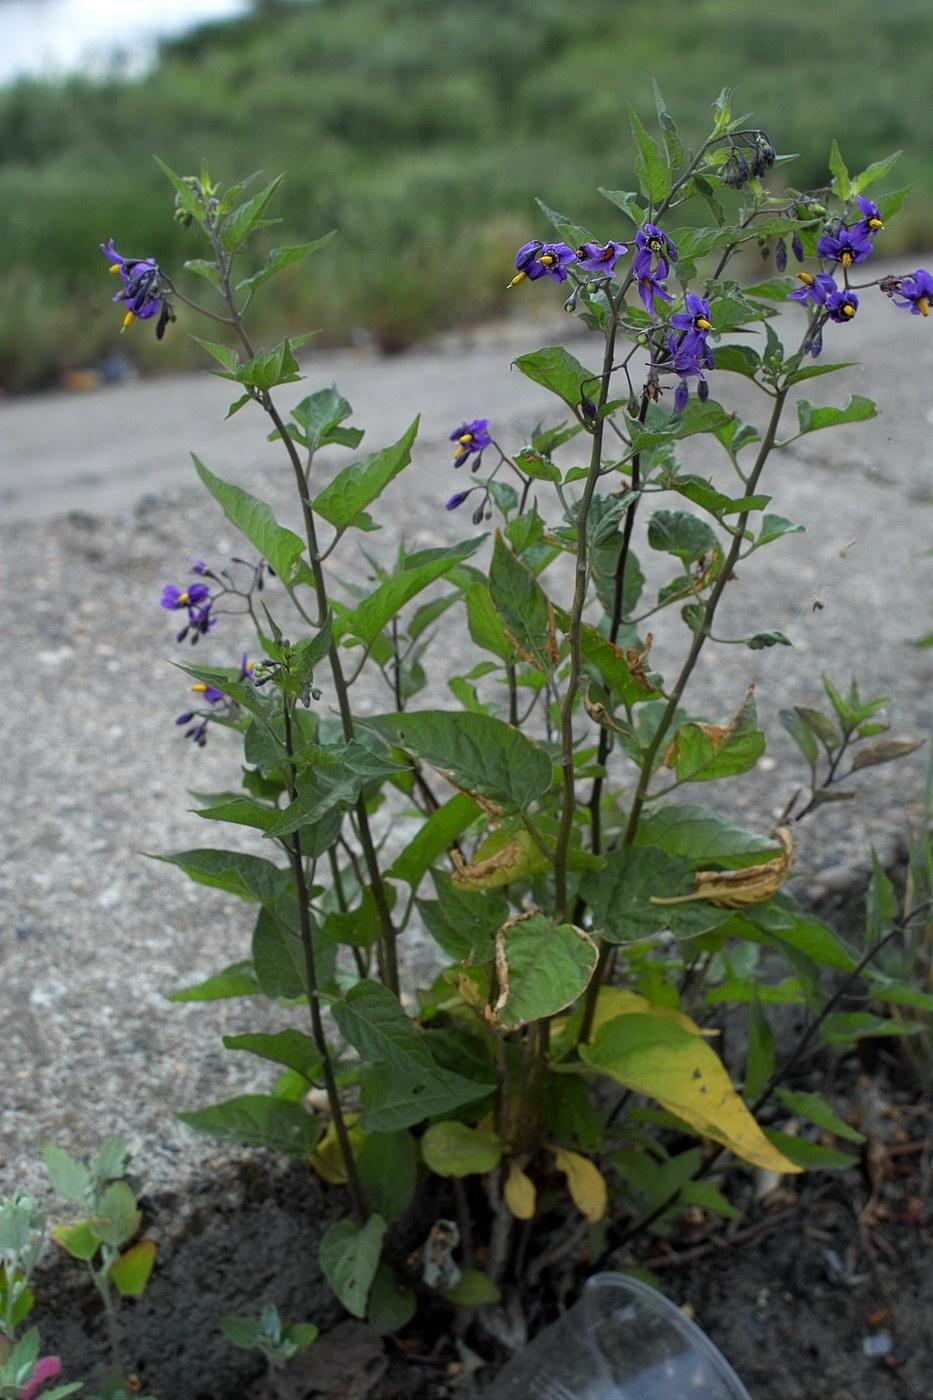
(731, 889)
(501, 858)
(585, 1182)
(653, 1056)
(519, 1192)
(327, 1159)
(616, 1001)
(131, 1271)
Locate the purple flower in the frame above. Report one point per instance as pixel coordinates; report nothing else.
(594, 258)
(471, 437)
(208, 693)
(916, 290)
(694, 324)
(653, 243)
(458, 499)
(142, 291)
(841, 306)
(44, 1370)
(535, 259)
(848, 246)
(175, 598)
(815, 289)
(648, 289)
(871, 220)
(690, 359)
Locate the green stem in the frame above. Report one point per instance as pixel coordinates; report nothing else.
(357, 1195)
(386, 951)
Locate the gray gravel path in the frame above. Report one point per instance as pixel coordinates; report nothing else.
(100, 510)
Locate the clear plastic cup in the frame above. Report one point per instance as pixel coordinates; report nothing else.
(622, 1341)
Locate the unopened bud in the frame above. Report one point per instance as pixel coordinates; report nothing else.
(571, 303)
(780, 255)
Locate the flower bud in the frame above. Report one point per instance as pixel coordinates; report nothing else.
(780, 255)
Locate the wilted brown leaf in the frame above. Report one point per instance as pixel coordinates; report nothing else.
(731, 889)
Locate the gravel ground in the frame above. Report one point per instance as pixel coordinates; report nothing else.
(94, 935)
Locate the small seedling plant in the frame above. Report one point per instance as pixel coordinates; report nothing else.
(589, 914)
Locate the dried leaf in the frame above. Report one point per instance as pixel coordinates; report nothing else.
(731, 889)
(519, 1192)
(635, 661)
(715, 733)
(885, 752)
(499, 860)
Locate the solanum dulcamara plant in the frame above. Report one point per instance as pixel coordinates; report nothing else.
(589, 915)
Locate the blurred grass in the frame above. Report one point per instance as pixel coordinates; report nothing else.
(421, 130)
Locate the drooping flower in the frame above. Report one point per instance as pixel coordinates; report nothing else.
(815, 289)
(653, 243)
(471, 438)
(649, 288)
(871, 220)
(536, 259)
(592, 257)
(143, 290)
(847, 246)
(688, 360)
(693, 323)
(45, 1369)
(841, 306)
(916, 292)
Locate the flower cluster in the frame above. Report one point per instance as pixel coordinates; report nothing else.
(221, 705)
(554, 260)
(196, 602)
(472, 439)
(144, 291)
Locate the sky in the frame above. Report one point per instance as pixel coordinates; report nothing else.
(53, 37)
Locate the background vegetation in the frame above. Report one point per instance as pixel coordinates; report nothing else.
(421, 130)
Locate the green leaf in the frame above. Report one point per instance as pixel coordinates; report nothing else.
(69, 1178)
(620, 896)
(702, 836)
(476, 752)
(781, 925)
(538, 467)
(628, 202)
(77, 1239)
(391, 1305)
(369, 617)
(280, 258)
(739, 359)
(700, 753)
(237, 226)
(541, 967)
(473, 1290)
(523, 606)
(454, 1149)
(802, 735)
(856, 409)
(650, 166)
(485, 624)
(815, 1109)
(810, 1156)
(709, 1198)
(679, 533)
(349, 1256)
(222, 353)
(436, 835)
(560, 372)
(255, 520)
(259, 1120)
(249, 877)
(759, 1060)
(842, 185)
(291, 1048)
(116, 1218)
(358, 485)
(409, 1086)
(696, 418)
(848, 1028)
(237, 980)
(571, 233)
(388, 1167)
(463, 922)
(270, 368)
(772, 289)
(242, 1332)
(131, 1271)
(774, 638)
(242, 811)
(278, 958)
